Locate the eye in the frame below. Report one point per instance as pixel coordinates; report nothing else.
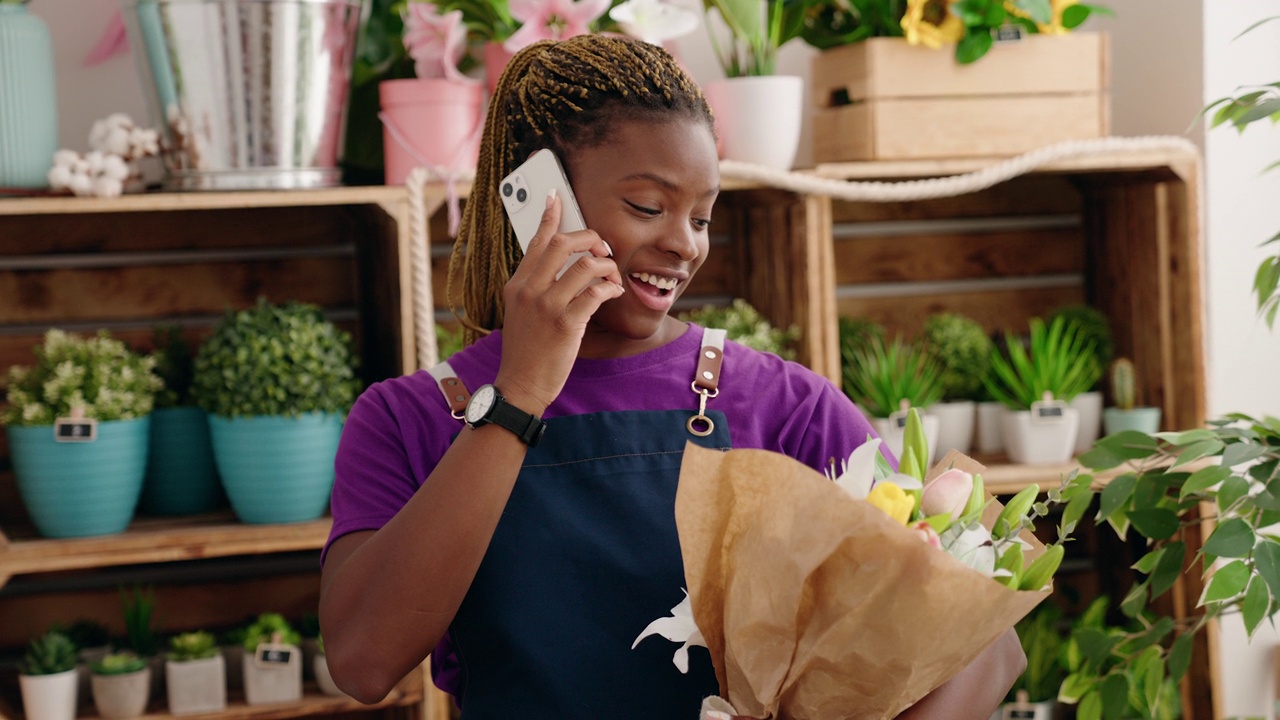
(702, 223)
(642, 209)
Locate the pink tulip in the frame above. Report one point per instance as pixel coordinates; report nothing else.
(947, 494)
(927, 534)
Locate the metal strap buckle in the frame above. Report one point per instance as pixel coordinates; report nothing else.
(701, 418)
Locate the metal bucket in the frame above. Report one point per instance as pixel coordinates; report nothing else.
(251, 94)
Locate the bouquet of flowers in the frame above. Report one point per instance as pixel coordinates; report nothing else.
(853, 598)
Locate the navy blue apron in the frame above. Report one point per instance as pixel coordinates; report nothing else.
(585, 556)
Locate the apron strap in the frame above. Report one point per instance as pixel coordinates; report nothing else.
(456, 395)
(706, 380)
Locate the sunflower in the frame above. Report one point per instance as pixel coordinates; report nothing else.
(931, 23)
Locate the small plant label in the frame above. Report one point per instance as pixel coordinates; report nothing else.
(898, 420)
(1006, 33)
(273, 655)
(1048, 412)
(76, 429)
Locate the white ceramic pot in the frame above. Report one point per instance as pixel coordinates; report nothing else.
(1089, 406)
(955, 426)
(990, 435)
(758, 118)
(49, 697)
(324, 679)
(273, 683)
(87, 657)
(196, 686)
(122, 696)
(893, 435)
(1040, 442)
(1025, 711)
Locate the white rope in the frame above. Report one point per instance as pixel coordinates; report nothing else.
(805, 183)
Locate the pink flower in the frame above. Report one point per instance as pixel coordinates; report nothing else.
(927, 534)
(434, 41)
(947, 494)
(552, 20)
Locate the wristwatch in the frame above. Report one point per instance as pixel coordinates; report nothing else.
(488, 406)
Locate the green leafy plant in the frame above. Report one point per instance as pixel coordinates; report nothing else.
(963, 349)
(856, 334)
(138, 606)
(97, 374)
(744, 324)
(971, 25)
(448, 341)
(198, 645)
(1059, 361)
(883, 375)
(1093, 326)
(757, 28)
(87, 634)
(275, 360)
(1124, 386)
(265, 627)
(175, 366)
(118, 663)
(49, 654)
(1042, 643)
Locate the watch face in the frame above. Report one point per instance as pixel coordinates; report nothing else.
(480, 403)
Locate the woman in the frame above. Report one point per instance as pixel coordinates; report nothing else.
(530, 571)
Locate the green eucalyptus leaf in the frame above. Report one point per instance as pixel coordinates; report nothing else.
(1228, 582)
(1155, 523)
(1257, 600)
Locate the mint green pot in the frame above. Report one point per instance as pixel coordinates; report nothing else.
(81, 489)
(181, 477)
(276, 469)
(1142, 419)
(28, 99)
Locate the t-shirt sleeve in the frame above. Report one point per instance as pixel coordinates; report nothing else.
(828, 428)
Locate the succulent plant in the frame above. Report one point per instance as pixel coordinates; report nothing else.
(118, 663)
(49, 654)
(265, 627)
(197, 645)
(1124, 386)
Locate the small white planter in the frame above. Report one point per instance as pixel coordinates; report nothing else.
(271, 682)
(49, 697)
(956, 422)
(87, 657)
(990, 435)
(893, 435)
(1040, 442)
(1025, 711)
(196, 686)
(324, 679)
(1089, 406)
(122, 696)
(758, 119)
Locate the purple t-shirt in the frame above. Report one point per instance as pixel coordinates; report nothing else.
(400, 428)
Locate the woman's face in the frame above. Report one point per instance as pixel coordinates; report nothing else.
(647, 190)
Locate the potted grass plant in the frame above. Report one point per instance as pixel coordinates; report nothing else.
(963, 351)
(121, 685)
(272, 661)
(181, 478)
(195, 674)
(78, 422)
(886, 379)
(47, 678)
(1125, 414)
(277, 382)
(138, 606)
(1035, 384)
(1095, 328)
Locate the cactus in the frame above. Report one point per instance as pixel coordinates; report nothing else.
(192, 646)
(1124, 390)
(119, 663)
(49, 654)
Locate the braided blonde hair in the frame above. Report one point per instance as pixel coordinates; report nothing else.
(563, 96)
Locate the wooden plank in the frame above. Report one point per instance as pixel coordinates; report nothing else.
(1186, 300)
(1134, 165)
(996, 311)
(1028, 195)
(958, 256)
(169, 201)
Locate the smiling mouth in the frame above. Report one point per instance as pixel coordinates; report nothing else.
(664, 285)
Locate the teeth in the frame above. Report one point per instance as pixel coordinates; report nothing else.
(657, 281)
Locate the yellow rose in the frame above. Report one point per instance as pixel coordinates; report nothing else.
(931, 23)
(893, 501)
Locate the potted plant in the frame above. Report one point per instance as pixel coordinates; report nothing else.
(323, 679)
(744, 324)
(181, 478)
(757, 112)
(93, 642)
(888, 379)
(277, 381)
(1035, 385)
(1125, 413)
(1095, 328)
(195, 674)
(309, 632)
(78, 422)
(1032, 696)
(962, 349)
(47, 678)
(272, 661)
(121, 685)
(138, 607)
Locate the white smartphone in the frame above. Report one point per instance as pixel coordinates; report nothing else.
(524, 195)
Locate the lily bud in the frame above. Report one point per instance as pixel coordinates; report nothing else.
(948, 494)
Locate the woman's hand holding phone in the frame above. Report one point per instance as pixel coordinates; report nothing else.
(545, 316)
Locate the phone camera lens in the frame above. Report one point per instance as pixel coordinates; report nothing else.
(522, 195)
(506, 189)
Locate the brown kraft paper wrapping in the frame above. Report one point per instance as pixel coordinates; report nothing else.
(817, 606)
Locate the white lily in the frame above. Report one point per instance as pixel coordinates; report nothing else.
(654, 21)
(858, 473)
(678, 627)
(971, 546)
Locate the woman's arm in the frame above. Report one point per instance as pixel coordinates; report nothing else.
(979, 689)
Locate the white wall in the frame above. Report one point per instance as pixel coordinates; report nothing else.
(1169, 58)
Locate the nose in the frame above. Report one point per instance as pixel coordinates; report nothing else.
(680, 240)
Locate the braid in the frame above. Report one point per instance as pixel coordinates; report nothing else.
(563, 96)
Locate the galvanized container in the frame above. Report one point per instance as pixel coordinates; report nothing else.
(249, 93)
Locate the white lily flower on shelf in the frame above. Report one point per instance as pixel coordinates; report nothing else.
(858, 474)
(654, 21)
(678, 627)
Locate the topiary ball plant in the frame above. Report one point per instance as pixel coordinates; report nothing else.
(275, 360)
(963, 350)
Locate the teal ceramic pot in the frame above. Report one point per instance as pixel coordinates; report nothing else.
(81, 489)
(181, 477)
(1142, 419)
(276, 469)
(28, 100)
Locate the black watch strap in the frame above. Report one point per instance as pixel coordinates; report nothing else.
(525, 426)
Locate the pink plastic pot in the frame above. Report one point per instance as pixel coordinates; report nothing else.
(430, 122)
